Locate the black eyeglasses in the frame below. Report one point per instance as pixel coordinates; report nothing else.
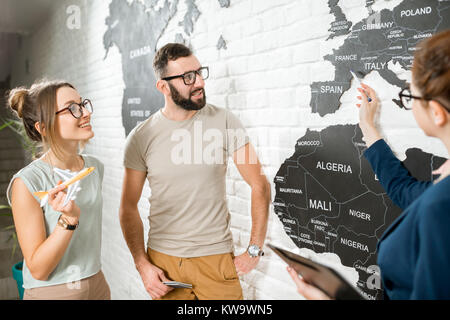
(406, 98)
(76, 109)
(190, 77)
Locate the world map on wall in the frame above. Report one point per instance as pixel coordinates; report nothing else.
(135, 28)
(327, 196)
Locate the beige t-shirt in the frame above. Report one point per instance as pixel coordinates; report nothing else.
(186, 164)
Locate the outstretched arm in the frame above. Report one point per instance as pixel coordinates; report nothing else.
(400, 186)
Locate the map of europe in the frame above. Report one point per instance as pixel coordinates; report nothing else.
(327, 196)
(384, 37)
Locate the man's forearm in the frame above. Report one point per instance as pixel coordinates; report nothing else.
(260, 212)
(133, 232)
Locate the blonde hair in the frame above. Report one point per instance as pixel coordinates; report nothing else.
(38, 105)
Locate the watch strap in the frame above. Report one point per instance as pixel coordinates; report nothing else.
(62, 222)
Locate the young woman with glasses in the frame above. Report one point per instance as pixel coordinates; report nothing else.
(414, 252)
(61, 240)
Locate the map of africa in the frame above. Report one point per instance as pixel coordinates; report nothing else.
(327, 196)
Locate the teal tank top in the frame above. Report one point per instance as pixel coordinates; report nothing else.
(82, 257)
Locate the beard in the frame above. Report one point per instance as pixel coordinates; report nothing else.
(187, 104)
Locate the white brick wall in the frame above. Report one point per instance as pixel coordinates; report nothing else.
(275, 50)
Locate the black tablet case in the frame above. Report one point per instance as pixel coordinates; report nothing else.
(320, 276)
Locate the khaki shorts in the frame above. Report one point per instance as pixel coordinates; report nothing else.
(92, 288)
(212, 277)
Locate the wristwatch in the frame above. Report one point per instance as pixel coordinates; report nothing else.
(62, 222)
(254, 251)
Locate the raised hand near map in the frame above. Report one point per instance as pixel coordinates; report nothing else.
(367, 114)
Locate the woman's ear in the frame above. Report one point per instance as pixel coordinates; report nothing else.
(39, 128)
(438, 113)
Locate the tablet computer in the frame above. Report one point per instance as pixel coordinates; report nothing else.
(320, 276)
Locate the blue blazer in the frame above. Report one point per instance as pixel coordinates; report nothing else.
(414, 252)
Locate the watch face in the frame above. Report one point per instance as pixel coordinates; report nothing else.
(253, 250)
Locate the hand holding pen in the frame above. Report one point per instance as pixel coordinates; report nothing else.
(367, 113)
(360, 83)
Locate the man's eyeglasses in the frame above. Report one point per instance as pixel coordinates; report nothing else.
(190, 77)
(406, 98)
(76, 109)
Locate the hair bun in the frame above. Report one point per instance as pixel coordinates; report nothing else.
(16, 99)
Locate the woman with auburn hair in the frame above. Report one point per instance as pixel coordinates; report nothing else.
(60, 241)
(414, 252)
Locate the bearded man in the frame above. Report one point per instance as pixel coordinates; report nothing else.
(183, 151)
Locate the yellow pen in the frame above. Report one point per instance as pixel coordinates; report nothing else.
(83, 174)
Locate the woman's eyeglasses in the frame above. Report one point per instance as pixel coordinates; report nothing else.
(406, 98)
(76, 109)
